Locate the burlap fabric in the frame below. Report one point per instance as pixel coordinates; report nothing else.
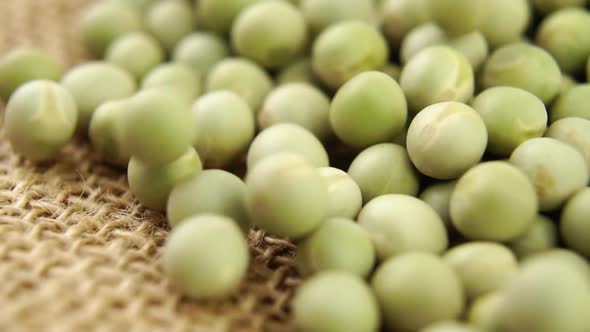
(78, 253)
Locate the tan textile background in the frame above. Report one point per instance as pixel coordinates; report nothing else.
(77, 253)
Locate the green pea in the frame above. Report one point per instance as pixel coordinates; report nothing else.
(415, 290)
(298, 103)
(459, 17)
(321, 14)
(512, 116)
(218, 16)
(286, 196)
(224, 127)
(152, 184)
(493, 201)
(23, 65)
(438, 196)
(177, 77)
(419, 38)
(436, 74)
(346, 49)
(446, 139)
(572, 103)
(483, 311)
(564, 34)
(158, 127)
(208, 243)
(401, 16)
(170, 21)
(523, 66)
(575, 222)
(137, 52)
(449, 326)
(545, 296)
(104, 22)
(94, 83)
(549, 6)
(473, 46)
(287, 137)
(272, 33)
(106, 132)
(338, 244)
(384, 169)
(555, 178)
(201, 51)
(368, 109)
(506, 21)
(209, 192)
(540, 237)
(568, 258)
(39, 119)
(345, 199)
(398, 224)
(336, 302)
(243, 77)
(297, 71)
(483, 267)
(501, 21)
(574, 132)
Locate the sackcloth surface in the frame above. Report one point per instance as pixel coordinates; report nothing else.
(78, 253)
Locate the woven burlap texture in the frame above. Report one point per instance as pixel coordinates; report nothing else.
(78, 253)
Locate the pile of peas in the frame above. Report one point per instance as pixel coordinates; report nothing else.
(430, 158)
